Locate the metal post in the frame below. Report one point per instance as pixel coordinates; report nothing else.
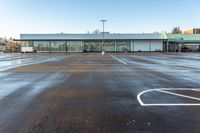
(103, 21)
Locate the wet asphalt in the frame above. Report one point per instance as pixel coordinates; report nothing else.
(90, 93)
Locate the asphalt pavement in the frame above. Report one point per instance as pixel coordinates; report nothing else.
(91, 93)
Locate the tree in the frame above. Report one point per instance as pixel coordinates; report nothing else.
(10, 45)
(2, 42)
(176, 30)
(96, 31)
(156, 32)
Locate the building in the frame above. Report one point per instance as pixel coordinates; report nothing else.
(183, 42)
(192, 31)
(67, 43)
(92, 42)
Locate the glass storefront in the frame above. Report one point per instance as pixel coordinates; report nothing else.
(78, 46)
(74, 46)
(109, 46)
(123, 46)
(58, 46)
(27, 44)
(92, 46)
(41, 46)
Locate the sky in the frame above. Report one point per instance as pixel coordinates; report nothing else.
(80, 16)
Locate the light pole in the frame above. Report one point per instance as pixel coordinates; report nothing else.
(103, 21)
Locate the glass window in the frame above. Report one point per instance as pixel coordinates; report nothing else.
(122, 46)
(92, 46)
(27, 44)
(109, 46)
(74, 46)
(42, 46)
(58, 46)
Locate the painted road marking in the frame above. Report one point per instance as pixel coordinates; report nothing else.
(165, 90)
(119, 59)
(53, 70)
(93, 64)
(197, 90)
(180, 95)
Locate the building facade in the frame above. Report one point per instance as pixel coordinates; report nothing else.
(66, 43)
(183, 42)
(92, 42)
(192, 31)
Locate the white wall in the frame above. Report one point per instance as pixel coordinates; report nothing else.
(27, 49)
(141, 46)
(156, 46)
(145, 46)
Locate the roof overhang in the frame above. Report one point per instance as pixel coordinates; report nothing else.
(87, 37)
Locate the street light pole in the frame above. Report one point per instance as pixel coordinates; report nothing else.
(103, 21)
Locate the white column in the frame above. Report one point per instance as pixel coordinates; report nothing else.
(132, 46)
(167, 46)
(150, 46)
(115, 46)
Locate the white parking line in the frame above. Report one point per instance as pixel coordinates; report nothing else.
(165, 90)
(119, 59)
(170, 104)
(180, 95)
(197, 90)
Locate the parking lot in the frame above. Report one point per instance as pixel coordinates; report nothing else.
(135, 93)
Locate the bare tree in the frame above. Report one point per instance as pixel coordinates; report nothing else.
(10, 45)
(2, 45)
(96, 31)
(1, 41)
(156, 32)
(176, 30)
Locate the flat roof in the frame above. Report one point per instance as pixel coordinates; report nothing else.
(187, 38)
(33, 37)
(184, 38)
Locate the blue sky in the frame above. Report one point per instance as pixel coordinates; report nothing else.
(80, 16)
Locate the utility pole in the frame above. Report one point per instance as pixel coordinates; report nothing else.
(103, 21)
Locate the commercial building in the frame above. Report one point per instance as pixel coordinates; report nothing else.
(192, 31)
(92, 42)
(112, 42)
(183, 42)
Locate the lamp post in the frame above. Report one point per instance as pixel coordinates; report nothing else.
(103, 21)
